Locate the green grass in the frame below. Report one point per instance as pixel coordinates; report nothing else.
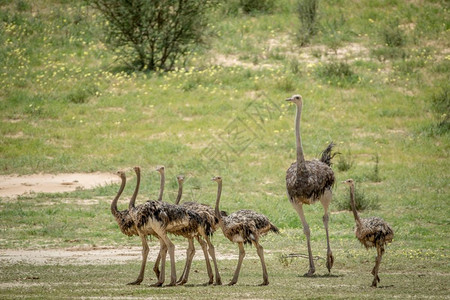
(68, 104)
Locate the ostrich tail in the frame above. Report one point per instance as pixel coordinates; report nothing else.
(274, 228)
(327, 156)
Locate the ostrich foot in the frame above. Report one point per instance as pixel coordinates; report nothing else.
(374, 283)
(330, 261)
(231, 283)
(181, 281)
(310, 273)
(157, 284)
(172, 284)
(136, 282)
(218, 282)
(264, 283)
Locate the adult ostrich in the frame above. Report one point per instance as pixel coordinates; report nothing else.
(309, 181)
(371, 232)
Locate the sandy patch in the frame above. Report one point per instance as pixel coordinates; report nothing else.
(15, 185)
(87, 255)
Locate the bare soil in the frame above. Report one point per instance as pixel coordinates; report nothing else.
(16, 185)
(93, 255)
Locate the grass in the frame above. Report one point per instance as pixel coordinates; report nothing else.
(68, 105)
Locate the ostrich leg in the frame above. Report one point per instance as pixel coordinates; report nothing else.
(260, 251)
(380, 251)
(325, 200)
(299, 208)
(204, 246)
(212, 253)
(145, 251)
(238, 268)
(190, 252)
(156, 265)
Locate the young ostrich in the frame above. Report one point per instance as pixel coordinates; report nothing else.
(371, 232)
(244, 227)
(207, 213)
(158, 218)
(123, 218)
(309, 181)
(211, 224)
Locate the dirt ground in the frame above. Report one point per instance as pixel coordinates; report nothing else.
(90, 255)
(15, 185)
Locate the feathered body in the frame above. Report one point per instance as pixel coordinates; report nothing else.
(173, 218)
(246, 226)
(373, 231)
(310, 182)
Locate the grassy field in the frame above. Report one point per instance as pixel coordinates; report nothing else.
(369, 78)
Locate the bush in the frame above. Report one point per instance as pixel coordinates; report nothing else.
(440, 103)
(307, 13)
(151, 35)
(252, 6)
(362, 201)
(337, 73)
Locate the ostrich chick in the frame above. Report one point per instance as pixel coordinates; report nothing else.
(244, 227)
(371, 232)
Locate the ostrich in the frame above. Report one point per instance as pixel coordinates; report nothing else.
(371, 232)
(207, 213)
(309, 181)
(158, 218)
(244, 227)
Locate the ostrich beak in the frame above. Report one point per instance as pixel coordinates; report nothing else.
(288, 99)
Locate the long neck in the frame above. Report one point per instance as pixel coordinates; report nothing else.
(136, 190)
(161, 187)
(180, 192)
(114, 210)
(352, 203)
(217, 210)
(298, 138)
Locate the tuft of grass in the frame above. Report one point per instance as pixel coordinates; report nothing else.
(440, 104)
(336, 73)
(362, 201)
(307, 11)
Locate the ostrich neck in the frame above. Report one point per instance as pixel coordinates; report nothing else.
(352, 203)
(114, 210)
(298, 139)
(136, 190)
(161, 187)
(217, 210)
(180, 192)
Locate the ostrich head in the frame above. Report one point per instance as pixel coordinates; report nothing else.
(137, 170)
(121, 174)
(160, 169)
(217, 179)
(297, 99)
(349, 182)
(180, 179)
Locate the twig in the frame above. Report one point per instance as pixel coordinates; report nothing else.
(292, 255)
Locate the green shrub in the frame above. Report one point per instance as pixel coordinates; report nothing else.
(440, 103)
(257, 6)
(307, 13)
(151, 35)
(336, 73)
(345, 162)
(362, 201)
